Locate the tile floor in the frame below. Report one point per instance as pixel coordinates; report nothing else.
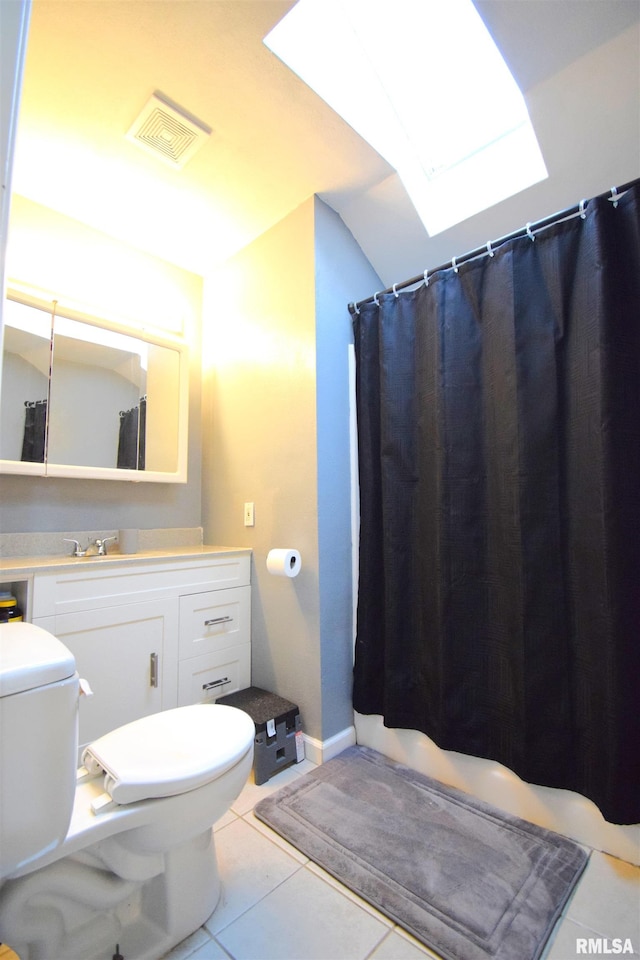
(277, 905)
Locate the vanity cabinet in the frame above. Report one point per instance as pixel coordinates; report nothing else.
(150, 635)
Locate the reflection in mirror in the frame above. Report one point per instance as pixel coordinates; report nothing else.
(25, 382)
(86, 398)
(98, 380)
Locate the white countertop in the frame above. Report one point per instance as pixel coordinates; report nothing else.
(15, 568)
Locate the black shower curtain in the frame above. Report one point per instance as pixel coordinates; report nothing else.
(132, 437)
(35, 431)
(499, 444)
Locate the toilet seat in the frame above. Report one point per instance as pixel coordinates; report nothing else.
(171, 752)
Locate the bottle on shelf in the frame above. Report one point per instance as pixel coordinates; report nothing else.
(10, 612)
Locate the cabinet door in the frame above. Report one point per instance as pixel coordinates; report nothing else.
(128, 655)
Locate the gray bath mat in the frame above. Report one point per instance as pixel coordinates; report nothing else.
(466, 879)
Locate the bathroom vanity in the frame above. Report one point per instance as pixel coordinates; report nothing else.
(149, 632)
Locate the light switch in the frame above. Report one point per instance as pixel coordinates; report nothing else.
(249, 515)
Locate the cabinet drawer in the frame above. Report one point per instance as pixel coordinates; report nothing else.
(214, 620)
(203, 679)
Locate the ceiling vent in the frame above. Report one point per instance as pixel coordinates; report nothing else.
(168, 132)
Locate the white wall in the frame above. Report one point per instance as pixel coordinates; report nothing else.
(92, 440)
(89, 270)
(259, 435)
(276, 431)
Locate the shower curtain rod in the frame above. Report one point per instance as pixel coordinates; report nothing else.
(614, 194)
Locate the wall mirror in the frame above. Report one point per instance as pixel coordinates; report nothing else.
(85, 398)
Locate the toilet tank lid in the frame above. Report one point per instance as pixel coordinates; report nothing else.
(31, 657)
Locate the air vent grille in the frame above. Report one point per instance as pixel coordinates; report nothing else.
(168, 132)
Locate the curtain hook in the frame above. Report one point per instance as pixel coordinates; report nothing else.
(583, 204)
(614, 196)
(355, 309)
(375, 299)
(489, 249)
(454, 265)
(529, 233)
(426, 278)
(395, 292)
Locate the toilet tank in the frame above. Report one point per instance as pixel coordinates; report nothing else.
(39, 691)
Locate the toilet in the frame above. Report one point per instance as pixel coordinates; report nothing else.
(115, 858)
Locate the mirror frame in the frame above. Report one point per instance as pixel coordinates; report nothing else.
(154, 337)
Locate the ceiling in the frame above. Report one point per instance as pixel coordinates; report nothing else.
(92, 65)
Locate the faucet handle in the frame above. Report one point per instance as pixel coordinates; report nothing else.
(102, 545)
(77, 550)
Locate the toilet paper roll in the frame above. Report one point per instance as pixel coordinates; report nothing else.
(284, 562)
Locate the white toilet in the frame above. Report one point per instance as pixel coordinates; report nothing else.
(117, 857)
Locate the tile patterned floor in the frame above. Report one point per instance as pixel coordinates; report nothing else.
(277, 905)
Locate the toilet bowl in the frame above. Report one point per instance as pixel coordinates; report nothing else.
(119, 855)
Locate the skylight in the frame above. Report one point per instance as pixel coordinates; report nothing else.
(424, 83)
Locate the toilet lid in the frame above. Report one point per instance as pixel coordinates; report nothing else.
(170, 752)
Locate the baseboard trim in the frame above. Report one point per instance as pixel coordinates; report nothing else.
(319, 751)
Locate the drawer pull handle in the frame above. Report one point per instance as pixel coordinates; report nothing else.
(215, 683)
(153, 670)
(209, 623)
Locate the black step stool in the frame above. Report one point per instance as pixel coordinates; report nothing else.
(278, 741)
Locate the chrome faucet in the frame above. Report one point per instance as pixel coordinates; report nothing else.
(77, 550)
(102, 545)
(99, 544)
